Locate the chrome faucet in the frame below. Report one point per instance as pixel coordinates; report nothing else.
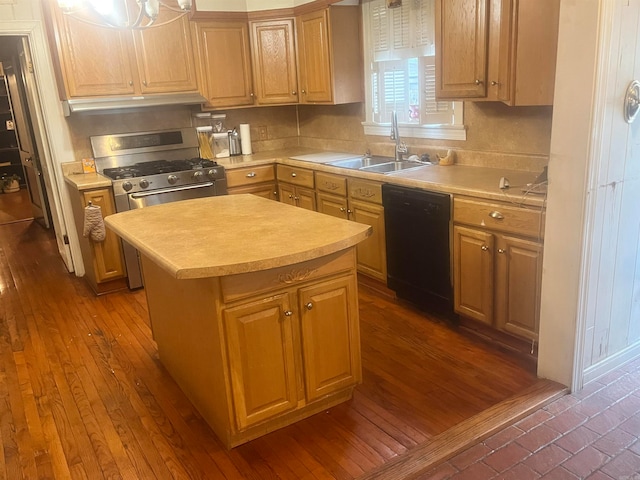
(401, 148)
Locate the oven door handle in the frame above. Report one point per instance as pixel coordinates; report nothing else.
(171, 189)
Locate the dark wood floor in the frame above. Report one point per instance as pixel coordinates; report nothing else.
(83, 394)
(15, 207)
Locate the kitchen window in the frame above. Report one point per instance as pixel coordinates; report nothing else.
(399, 48)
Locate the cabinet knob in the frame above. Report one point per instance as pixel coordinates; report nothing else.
(291, 196)
(497, 215)
(502, 250)
(309, 306)
(296, 198)
(342, 209)
(293, 174)
(130, 83)
(251, 174)
(478, 82)
(294, 93)
(349, 212)
(251, 94)
(484, 248)
(494, 83)
(304, 92)
(144, 82)
(288, 313)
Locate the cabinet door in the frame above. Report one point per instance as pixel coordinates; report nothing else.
(107, 255)
(528, 44)
(333, 205)
(461, 48)
(95, 61)
(473, 273)
(305, 198)
(330, 336)
(224, 54)
(261, 359)
(287, 194)
(518, 280)
(274, 61)
(266, 190)
(166, 62)
(314, 57)
(372, 253)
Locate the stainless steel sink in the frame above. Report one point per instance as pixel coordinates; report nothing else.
(360, 162)
(393, 166)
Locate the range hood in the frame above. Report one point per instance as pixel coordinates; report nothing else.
(107, 104)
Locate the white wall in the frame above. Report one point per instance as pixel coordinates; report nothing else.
(590, 318)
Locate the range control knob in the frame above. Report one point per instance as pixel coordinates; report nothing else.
(144, 183)
(212, 173)
(126, 186)
(197, 175)
(172, 179)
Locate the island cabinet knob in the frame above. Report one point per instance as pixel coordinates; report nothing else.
(309, 306)
(288, 313)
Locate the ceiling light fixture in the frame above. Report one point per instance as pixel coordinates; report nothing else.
(121, 14)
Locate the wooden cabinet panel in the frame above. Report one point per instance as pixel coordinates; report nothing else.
(296, 176)
(330, 336)
(372, 253)
(274, 61)
(333, 205)
(473, 273)
(330, 183)
(287, 194)
(95, 61)
(314, 56)
(518, 280)
(266, 190)
(225, 59)
(166, 62)
(461, 48)
(261, 359)
(240, 177)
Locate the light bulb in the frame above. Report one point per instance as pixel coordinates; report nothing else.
(152, 8)
(185, 4)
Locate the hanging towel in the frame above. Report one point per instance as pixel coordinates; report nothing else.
(94, 223)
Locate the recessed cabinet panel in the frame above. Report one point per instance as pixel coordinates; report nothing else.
(274, 61)
(225, 59)
(314, 57)
(330, 336)
(262, 359)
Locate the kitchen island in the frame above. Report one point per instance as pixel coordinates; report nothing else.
(253, 305)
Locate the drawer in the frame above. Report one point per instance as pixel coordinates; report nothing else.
(240, 177)
(243, 285)
(295, 176)
(365, 191)
(330, 183)
(528, 222)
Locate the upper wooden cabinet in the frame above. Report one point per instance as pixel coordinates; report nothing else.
(503, 50)
(330, 56)
(224, 58)
(103, 61)
(273, 57)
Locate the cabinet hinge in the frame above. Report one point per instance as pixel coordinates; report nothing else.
(65, 239)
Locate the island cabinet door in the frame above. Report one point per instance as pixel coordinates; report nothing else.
(261, 359)
(330, 336)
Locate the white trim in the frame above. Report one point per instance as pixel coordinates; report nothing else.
(611, 363)
(435, 132)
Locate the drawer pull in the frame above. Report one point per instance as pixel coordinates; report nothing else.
(309, 306)
(497, 215)
(502, 250)
(288, 313)
(484, 248)
(251, 174)
(342, 209)
(293, 174)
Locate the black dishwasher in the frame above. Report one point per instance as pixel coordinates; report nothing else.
(417, 225)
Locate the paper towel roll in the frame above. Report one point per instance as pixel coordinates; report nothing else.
(245, 139)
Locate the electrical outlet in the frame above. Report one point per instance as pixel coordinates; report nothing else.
(262, 132)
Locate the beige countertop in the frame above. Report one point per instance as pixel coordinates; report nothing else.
(230, 234)
(479, 182)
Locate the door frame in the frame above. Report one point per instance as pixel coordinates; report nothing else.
(52, 137)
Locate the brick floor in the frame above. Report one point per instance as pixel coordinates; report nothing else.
(592, 434)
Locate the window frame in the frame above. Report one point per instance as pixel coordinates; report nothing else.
(455, 131)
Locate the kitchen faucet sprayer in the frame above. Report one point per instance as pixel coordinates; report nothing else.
(401, 147)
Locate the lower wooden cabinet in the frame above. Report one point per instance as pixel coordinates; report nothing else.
(103, 261)
(295, 186)
(309, 333)
(259, 180)
(360, 201)
(497, 275)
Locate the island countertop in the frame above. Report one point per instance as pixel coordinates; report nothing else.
(231, 234)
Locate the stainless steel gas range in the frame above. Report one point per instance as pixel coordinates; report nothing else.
(150, 168)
